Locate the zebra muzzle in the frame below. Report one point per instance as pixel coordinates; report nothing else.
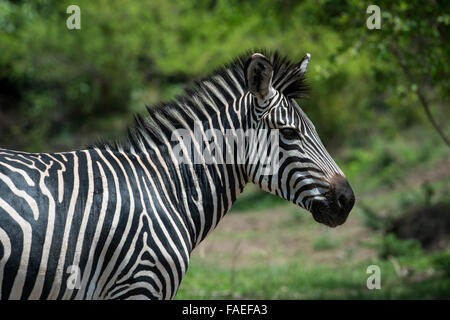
(339, 202)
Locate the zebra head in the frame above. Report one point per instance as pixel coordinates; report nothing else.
(305, 173)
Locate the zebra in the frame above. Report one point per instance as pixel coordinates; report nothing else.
(119, 220)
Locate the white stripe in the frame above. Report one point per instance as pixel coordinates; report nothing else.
(86, 273)
(21, 172)
(5, 243)
(19, 280)
(22, 194)
(68, 224)
(86, 213)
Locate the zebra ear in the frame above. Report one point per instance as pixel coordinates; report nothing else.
(303, 64)
(259, 74)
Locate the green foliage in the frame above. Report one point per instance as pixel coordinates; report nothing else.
(386, 162)
(372, 219)
(441, 262)
(61, 85)
(390, 246)
(412, 42)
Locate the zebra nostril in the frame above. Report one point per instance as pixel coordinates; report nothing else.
(343, 193)
(342, 201)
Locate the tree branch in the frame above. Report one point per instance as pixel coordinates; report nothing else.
(420, 94)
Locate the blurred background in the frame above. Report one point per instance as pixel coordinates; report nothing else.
(379, 101)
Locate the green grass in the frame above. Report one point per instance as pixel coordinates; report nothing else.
(325, 242)
(293, 281)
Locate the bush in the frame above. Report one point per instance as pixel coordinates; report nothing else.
(428, 224)
(441, 262)
(373, 220)
(391, 246)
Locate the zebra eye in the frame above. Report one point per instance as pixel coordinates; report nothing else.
(290, 133)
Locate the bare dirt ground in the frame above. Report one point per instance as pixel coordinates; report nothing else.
(276, 237)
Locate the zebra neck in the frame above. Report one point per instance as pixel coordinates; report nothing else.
(215, 191)
(199, 170)
(213, 179)
(219, 174)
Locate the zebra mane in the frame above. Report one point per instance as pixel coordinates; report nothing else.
(152, 128)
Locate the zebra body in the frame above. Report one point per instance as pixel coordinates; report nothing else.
(87, 209)
(120, 221)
